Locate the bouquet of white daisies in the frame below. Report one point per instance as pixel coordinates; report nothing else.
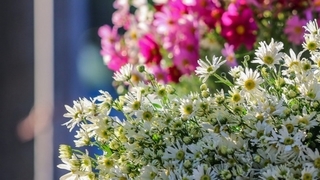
(265, 125)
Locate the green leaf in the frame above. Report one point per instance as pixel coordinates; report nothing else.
(106, 149)
(156, 105)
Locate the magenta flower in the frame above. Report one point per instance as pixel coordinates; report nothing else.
(150, 49)
(174, 74)
(121, 16)
(207, 10)
(238, 26)
(166, 21)
(108, 36)
(113, 52)
(160, 74)
(185, 59)
(294, 29)
(186, 48)
(114, 60)
(228, 53)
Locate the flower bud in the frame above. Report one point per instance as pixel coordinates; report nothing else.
(170, 89)
(292, 94)
(187, 139)
(257, 158)
(141, 68)
(295, 107)
(187, 164)
(203, 87)
(65, 151)
(205, 94)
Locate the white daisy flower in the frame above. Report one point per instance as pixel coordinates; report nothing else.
(204, 172)
(207, 68)
(283, 171)
(86, 162)
(187, 108)
(236, 96)
(176, 152)
(76, 113)
(148, 172)
(269, 54)
(235, 71)
(310, 89)
(124, 74)
(269, 172)
(105, 100)
(315, 58)
(250, 81)
(82, 137)
(132, 103)
(311, 43)
(314, 156)
(259, 132)
(305, 120)
(72, 165)
(309, 172)
(293, 62)
(312, 27)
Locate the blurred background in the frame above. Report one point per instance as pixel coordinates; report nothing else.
(78, 72)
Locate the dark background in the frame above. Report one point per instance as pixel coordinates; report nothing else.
(78, 67)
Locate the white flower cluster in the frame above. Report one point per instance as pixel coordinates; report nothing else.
(265, 127)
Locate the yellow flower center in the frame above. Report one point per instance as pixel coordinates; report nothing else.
(268, 60)
(298, 30)
(290, 128)
(303, 120)
(260, 134)
(249, 84)
(108, 163)
(136, 105)
(240, 30)
(311, 46)
(307, 176)
(236, 97)
(135, 78)
(153, 175)
(180, 155)
(209, 69)
(288, 141)
(147, 115)
(311, 94)
(187, 109)
(316, 163)
(205, 177)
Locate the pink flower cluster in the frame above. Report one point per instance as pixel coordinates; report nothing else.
(169, 36)
(296, 14)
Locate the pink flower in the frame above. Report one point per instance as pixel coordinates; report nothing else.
(166, 21)
(113, 52)
(294, 29)
(185, 59)
(160, 73)
(114, 58)
(174, 74)
(207, 10)
(186, 48)
(108, 36)
(121, 18)
(228, 53)
(238, 26)
(150, 49)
